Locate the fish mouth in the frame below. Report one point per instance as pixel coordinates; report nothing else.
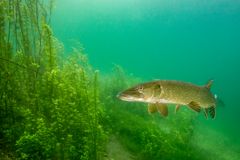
(124, 97)
(129, 98)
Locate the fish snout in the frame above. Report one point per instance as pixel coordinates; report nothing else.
(122, 96)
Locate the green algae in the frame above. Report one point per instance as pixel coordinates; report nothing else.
(49, 105)
(54, 106)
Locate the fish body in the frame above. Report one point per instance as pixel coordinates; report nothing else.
(158, 94)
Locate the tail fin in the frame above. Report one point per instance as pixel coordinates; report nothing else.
(220, 102)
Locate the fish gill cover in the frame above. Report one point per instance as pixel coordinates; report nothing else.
(55, 105)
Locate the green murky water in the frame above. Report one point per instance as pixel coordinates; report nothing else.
(62, 63)
(183, 40)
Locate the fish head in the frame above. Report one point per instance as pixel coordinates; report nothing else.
(140, 93)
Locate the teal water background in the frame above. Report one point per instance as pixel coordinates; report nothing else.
(188, 40)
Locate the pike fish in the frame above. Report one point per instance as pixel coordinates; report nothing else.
(158, 94)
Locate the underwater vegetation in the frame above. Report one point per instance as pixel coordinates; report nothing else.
(55, 105)
(49, 106)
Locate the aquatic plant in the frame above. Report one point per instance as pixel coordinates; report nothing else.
(58, 107)
(49, 105)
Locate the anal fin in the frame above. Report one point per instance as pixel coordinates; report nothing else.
(212, 111)
(194, 106)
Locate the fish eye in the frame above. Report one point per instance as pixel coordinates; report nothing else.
(140, 89)
(158, 86)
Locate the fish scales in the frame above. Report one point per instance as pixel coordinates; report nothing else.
(162, 92)
(180, 92)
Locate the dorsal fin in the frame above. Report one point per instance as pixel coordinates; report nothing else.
(209, 84)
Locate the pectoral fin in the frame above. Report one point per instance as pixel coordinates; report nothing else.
(162, 108)
(195, 106)
(152, 108)
(177, 108)
(212, 111)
